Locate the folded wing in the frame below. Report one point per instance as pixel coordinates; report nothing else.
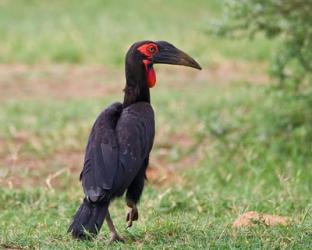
(101, 157)
(118, 146)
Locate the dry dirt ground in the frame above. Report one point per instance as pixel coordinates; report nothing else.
(63, 82)
(68, 81)
(253, 218)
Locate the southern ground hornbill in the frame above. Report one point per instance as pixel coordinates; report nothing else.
(120, 142)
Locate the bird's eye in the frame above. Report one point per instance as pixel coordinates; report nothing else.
(151, 49)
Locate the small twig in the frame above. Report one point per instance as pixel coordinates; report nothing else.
(305, 215)
(51, 177)
(10, 183)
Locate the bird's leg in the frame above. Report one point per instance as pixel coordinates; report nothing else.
(114, 235)
(134, 193)
(132, 214)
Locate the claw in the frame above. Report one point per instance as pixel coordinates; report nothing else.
(133, 215)
(116, 238)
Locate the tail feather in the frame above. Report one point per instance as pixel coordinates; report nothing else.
(88, 220)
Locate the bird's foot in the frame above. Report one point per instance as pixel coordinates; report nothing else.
(132, 216)
(115, 238)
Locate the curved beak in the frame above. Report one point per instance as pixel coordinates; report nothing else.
(168, 54)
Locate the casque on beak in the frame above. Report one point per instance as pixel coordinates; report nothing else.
(168, 54)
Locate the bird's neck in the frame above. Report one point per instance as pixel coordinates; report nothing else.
(136, 89)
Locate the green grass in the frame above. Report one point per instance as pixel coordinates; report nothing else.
(248, 146)
(97, 31)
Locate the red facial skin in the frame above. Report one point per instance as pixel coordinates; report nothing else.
(149, 49)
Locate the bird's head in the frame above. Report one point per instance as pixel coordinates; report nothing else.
(143, 55)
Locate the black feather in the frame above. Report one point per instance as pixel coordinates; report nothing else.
(89, 218)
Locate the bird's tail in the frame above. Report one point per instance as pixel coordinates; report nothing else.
(88, 220)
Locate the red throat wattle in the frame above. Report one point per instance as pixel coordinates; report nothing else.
(150, 74)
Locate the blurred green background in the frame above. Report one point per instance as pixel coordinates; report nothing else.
(101, 31)
(228, 139)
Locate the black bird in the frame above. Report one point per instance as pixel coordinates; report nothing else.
(120, 142)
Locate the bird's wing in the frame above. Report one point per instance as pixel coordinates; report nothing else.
(101, 156)
(135, 133)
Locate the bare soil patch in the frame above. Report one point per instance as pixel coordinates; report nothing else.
(58, 81)
(25, 172)
(18, 81)
(253, 218)
(49, 172)
(19, 169)
(226, 73)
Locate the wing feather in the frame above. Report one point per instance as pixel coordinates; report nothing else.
(135, 133)
(117, 150)
(101, 157)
